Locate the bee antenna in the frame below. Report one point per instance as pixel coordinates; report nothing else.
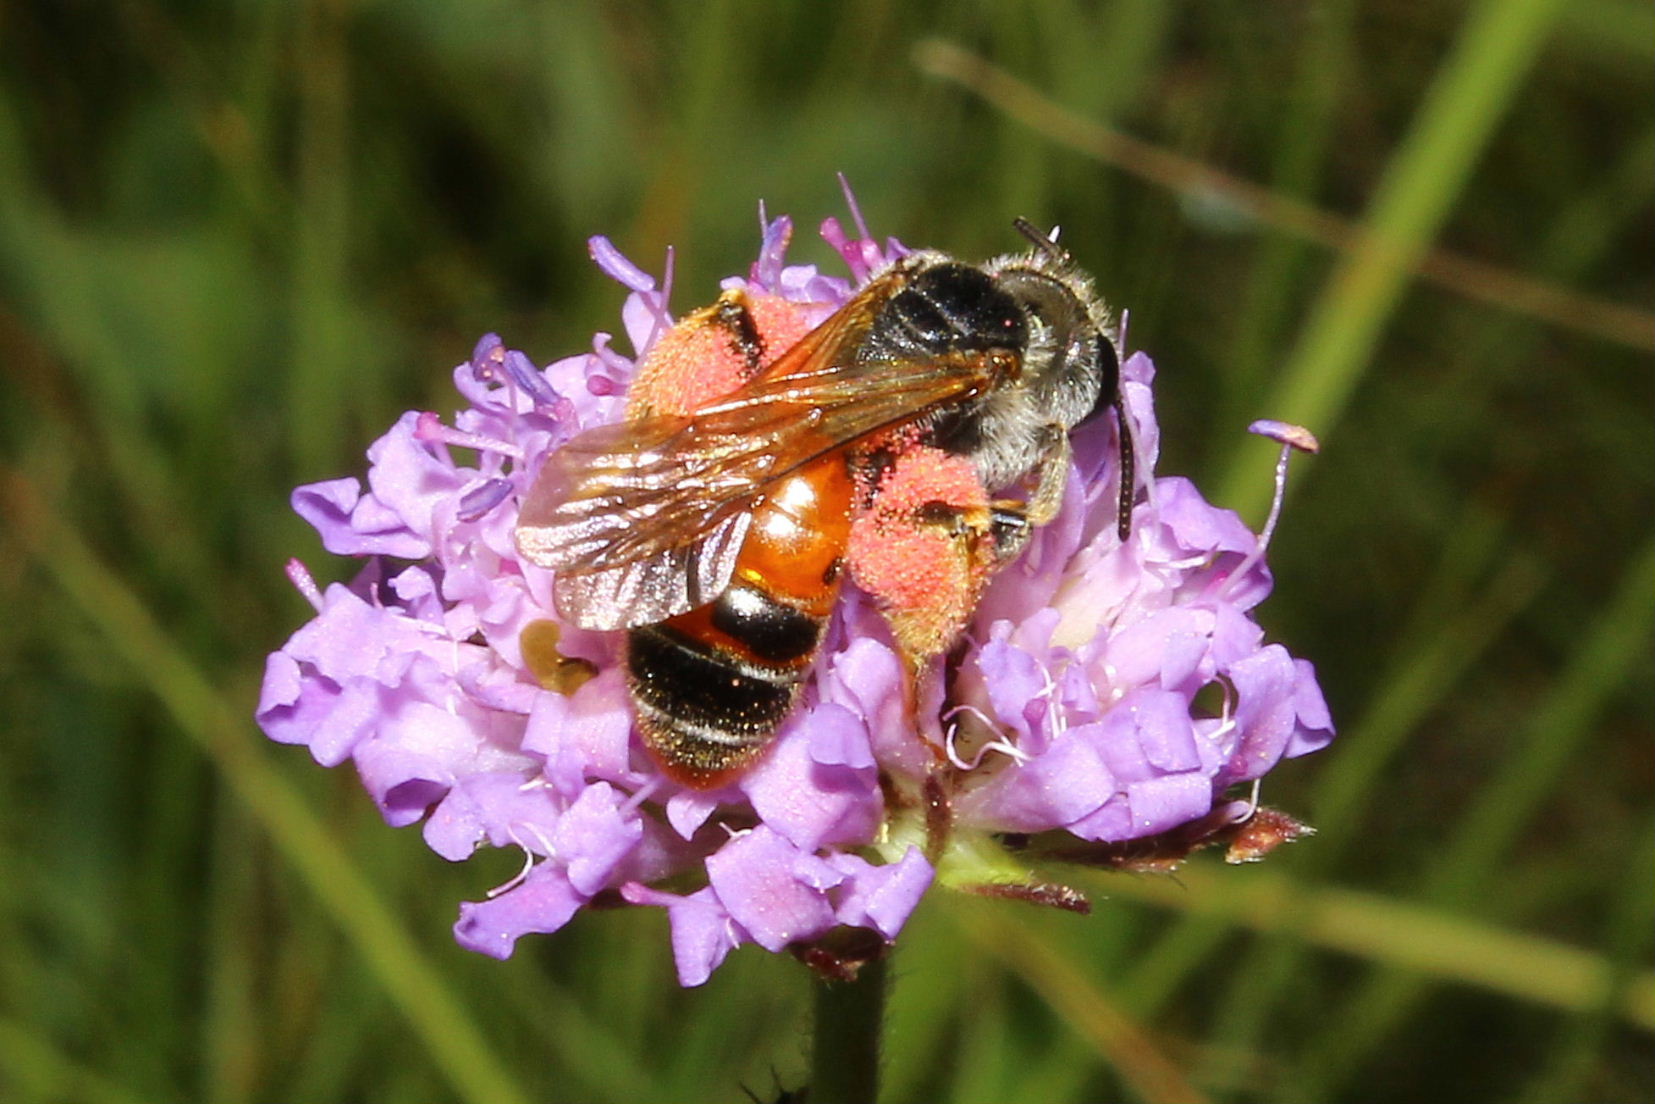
(1042, 241)
(1128, 464)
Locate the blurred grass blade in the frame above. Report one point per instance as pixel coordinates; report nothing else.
(319, 372)
(1199, 183)
(1432, 657)
(1628, 938)
(1385, 931)
(31, 1069)
(409, 979)
(1307, 151)
(1428, 666)
(1614, 646)
(1132, 1053)
(1424, 179)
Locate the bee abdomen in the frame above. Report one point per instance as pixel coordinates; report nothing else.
(711, 686)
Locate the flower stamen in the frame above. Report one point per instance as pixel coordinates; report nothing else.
(855, 209)
(528, 858)
(668, 268)
(1291, 437)
(608, 357)
(430, 430)
(299, 575)
(615, 264)
(643, 794)
(1252, 804)
(483, 498)
(1057, 719)
(1226, 720)
(1001, 743)
(516, 879)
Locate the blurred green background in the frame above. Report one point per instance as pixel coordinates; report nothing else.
(237, 239)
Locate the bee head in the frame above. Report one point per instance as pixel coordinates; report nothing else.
(1070, 366)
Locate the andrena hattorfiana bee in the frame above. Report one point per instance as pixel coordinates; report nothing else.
(760, 464)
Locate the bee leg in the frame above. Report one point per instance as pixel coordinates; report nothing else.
(1011, 528)
(732, 314)
(964, 525)
(1013, 522)
(1051, 478)
(929, 572)
(974, 535)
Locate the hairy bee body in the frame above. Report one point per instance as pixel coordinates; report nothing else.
(718, 531)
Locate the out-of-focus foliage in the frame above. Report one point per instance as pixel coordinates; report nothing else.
(237, 239)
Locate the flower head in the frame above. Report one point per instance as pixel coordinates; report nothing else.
(1066, 725)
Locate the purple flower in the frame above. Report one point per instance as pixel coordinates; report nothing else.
(444, 674)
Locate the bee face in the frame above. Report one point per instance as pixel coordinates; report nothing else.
(717, 531)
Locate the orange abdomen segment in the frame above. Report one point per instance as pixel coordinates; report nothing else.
(712, 685)
(796, 546)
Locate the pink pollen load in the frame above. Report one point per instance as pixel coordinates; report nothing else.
(698, 360)
(905, 561)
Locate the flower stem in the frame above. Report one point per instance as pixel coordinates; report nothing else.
(850, 1017)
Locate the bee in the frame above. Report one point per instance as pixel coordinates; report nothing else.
(717, 523)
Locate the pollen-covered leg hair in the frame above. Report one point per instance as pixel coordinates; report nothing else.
(924, 547)
(733, 314)
(713, 351)
(962, 544)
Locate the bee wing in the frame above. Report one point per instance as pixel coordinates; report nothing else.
(643, 520)
(642, 592)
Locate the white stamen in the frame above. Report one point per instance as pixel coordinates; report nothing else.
(1112, 677)
(1009, 750)
(1056, 717)
(1226, 721)
(300, 577)
(975, 712)
(1263, 542)
(644, 793)
(606, 356)
(540, 838)
(516, 880)
(1001, 743)
(1252, 804)
(528, 857)
(668, 270)
(953, 755)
